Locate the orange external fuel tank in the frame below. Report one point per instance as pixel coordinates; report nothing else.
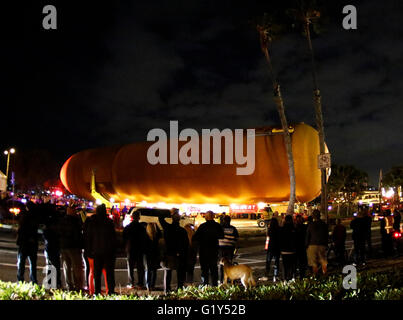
(123, 172)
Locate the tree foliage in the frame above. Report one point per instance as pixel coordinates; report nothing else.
(346, 182)
(394, 177)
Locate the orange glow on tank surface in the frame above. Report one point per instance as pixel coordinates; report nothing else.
(123, 173)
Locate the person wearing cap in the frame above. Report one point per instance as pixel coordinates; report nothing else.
(317, 236)
(207, 237)
(228, 243)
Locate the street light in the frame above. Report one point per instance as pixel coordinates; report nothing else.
(8, 153)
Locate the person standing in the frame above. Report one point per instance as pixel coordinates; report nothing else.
(339, 236)
(397, 218)
(317, 236)
(359, 227)
(191, 257)
(302, 260)
(228, 243)
(71, 244)
(273, 249)
(207, 236)
(135, 240)
(27, 242)
(101, 245)
(367, 217)
(288, 247)
(176, 247)
(51, 239)
(386, 235)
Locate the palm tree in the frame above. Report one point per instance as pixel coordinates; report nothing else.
(308, 16)
(267, 29)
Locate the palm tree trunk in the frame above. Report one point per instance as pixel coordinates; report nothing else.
(288, 146)
(319, 122)
(278, 100)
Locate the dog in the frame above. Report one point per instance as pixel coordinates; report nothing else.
(240, 271)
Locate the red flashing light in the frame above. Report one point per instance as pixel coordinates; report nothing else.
(397, 235)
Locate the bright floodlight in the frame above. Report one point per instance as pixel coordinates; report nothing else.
(6, 152)
(12, 150)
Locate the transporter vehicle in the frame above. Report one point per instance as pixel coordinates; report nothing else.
(149, 215)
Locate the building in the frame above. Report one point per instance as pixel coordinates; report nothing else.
(3, 182)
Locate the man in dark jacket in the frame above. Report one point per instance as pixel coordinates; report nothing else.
(288, 247)
(317, 237)
(101, 245)
(71, 244)
(207, 236)
(27, 241)
(359, 227)
(176, 246)
(135, 241)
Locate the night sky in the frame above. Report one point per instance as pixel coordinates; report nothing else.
(113, 71)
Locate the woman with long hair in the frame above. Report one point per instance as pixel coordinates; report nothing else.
(153, 258)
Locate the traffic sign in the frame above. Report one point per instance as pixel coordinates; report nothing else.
(324, 161)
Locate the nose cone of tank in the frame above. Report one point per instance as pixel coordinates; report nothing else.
(64, 175)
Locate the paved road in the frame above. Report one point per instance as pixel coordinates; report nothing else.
(251, 253)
